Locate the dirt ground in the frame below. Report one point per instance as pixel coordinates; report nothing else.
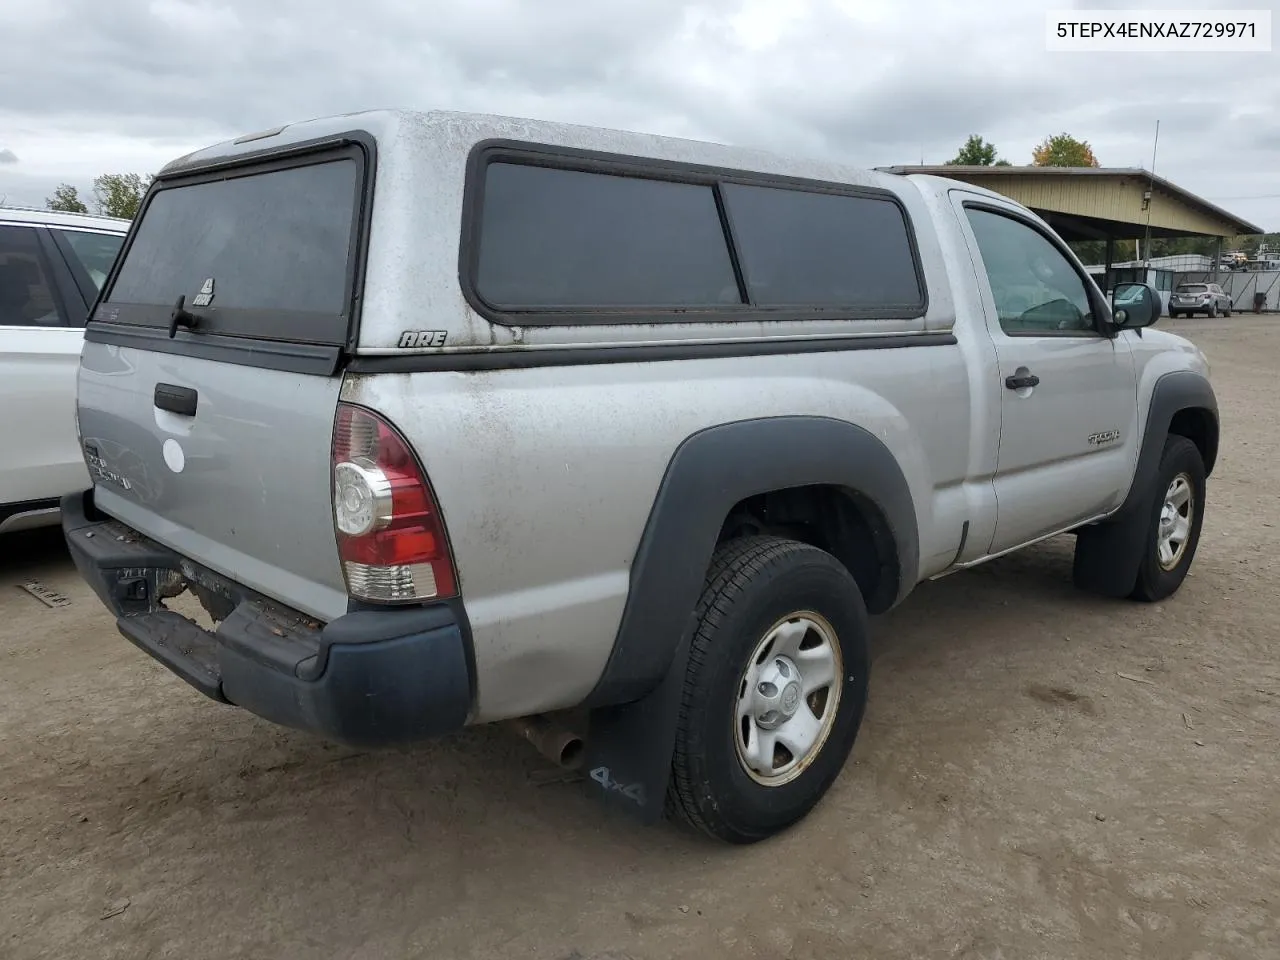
(1040, 774)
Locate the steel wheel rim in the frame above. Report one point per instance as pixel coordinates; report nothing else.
(1173, 531)
(788, 697)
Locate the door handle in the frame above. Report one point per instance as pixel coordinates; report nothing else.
(175, 399)
(1021, 383)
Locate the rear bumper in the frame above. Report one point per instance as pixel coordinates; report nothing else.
(368, 678)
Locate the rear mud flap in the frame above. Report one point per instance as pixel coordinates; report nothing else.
(629, 746)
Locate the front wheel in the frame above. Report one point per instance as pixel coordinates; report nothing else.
(775, 690)
(1176, 514)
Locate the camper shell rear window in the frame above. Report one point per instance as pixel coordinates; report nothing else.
(263, 251)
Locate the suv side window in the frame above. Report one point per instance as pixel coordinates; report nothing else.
(26, 295)
(1036, 289)
(93, 252)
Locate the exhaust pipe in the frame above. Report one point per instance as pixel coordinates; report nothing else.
(557, 743)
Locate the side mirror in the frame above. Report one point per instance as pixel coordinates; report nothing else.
(1134, 306)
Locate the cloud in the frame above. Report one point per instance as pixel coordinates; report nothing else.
(8, 156)
(870, 82)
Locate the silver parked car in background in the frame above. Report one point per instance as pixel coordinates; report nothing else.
(51, 268)
(1206, 298)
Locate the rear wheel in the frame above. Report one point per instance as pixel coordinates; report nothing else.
(1176, 514)
(1212, 312)
(775, 690)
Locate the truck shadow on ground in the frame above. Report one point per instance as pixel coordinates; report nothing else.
(31, 553)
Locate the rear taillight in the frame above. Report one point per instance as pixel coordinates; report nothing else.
(391, 538)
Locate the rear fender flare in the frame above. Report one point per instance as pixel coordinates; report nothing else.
(636, 701)
(710, 472)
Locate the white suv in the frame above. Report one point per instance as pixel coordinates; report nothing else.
(51, 267)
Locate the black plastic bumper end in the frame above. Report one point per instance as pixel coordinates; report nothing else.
(369, 678)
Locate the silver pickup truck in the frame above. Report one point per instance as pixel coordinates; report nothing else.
(451, 419)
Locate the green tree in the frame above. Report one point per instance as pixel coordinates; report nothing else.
(1093, 252)
(1063, 150)
(1089, 251)
(120, 194)
(1178, 246)
(977, 152)
(66, 199)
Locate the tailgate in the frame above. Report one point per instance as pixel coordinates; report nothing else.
(241, 487)
(210, 375)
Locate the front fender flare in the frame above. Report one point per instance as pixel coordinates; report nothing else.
(1108, 553)
(1174, 392)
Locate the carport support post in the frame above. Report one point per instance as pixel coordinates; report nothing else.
(1217, 259)
(1106, 276)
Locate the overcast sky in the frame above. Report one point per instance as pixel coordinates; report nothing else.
(93, 86)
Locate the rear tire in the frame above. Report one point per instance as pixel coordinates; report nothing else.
(758, 744)
(1212, 312)
(1176, 514)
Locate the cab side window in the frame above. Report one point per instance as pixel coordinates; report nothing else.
(1036, 289)
(26, 298)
